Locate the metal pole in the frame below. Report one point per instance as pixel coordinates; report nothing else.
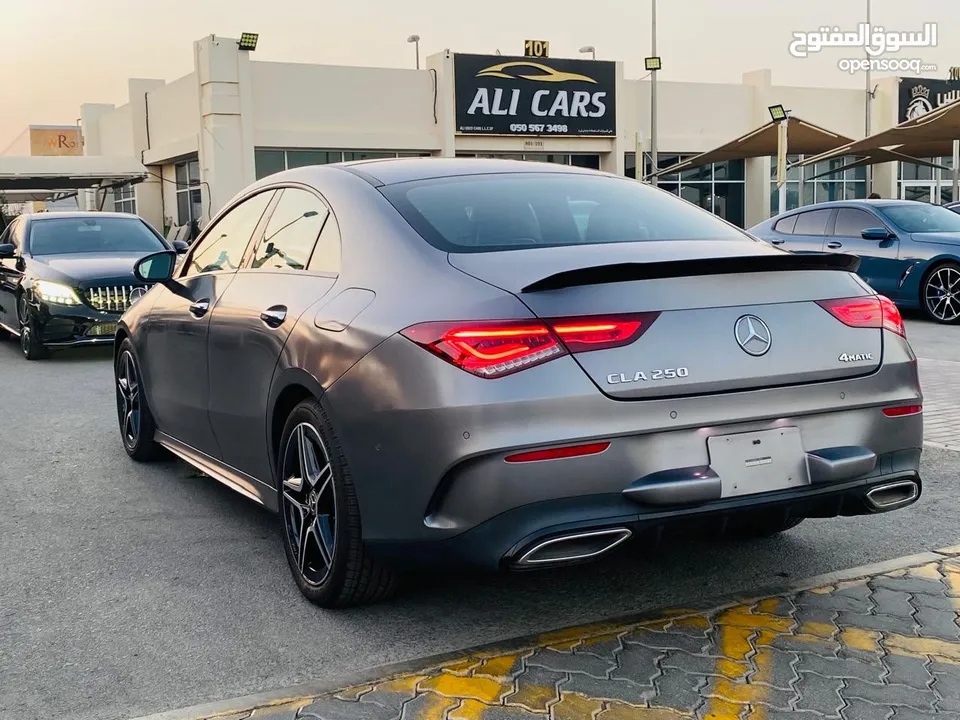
(782, 151)
(417, 45)
(956, 170)
(593, 54)
(653, 98)
(869, 102)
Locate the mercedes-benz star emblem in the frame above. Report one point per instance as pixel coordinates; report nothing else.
(137, 293)
(753, 335)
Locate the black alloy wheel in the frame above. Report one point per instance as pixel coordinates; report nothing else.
(136, 422)
(30, 345)
(320, 516)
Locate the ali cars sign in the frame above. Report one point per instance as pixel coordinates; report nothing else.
(497, 95)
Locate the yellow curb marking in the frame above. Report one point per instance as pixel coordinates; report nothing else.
(857, 639)
(455, 686)
(577, 707)
(926, 572)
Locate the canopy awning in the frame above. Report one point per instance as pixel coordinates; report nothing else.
(872, 158)
(804, 138)
(930, 135)
(23, 178)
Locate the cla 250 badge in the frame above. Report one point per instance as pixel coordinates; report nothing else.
(858, 357)
(640, 376)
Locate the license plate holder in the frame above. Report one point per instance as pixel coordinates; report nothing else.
(759, 462)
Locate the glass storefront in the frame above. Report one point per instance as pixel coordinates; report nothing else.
(579, 160)
(926, 184)
(848, 184)
(719, 187)
(270, 160)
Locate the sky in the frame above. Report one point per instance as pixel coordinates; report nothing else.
(57, 54)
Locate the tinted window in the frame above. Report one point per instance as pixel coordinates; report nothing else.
(922, 218)
(223, 246)
(851, 223)
(326, 256)
(500, 212)
(291, 231)
(811, 223)
(89, 234)
(786, 225)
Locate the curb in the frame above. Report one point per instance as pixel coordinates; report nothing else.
(304, 692)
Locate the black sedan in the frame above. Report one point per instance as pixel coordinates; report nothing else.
(66, 278)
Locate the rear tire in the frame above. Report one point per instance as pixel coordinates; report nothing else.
(320, 516)
(137, 427)
(756, 527)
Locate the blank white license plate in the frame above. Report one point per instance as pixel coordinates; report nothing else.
(758, 462)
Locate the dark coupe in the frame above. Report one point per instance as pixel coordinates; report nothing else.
(909, 251)
(65, 278)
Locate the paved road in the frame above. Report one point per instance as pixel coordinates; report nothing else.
(128, 589)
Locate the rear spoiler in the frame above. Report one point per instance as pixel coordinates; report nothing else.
(625, 272)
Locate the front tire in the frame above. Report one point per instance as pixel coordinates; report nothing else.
(320, 516)
(136, 422)
(940, 294)
(31, 347)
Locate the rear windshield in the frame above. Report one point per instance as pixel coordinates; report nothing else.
(486, 213)
(922, 218)
(70, 236)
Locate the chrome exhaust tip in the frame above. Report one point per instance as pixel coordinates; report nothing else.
(893, 495)
(574, 547)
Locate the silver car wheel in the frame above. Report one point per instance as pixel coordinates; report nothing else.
(309, 503)
(128, 399)
(941, 293)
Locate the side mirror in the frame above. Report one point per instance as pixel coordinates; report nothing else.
(180, 246)
(157, 267)
(7, 251)
(875, 234)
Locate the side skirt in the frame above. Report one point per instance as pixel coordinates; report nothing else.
(234, 479)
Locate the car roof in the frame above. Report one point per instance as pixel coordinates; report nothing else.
(397, 170)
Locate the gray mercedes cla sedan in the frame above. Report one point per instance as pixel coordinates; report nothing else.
(510, 365)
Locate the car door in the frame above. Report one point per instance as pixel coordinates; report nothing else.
(11, 274)
(808, 231)
(880, 263)
(174, 334)
(295, 262)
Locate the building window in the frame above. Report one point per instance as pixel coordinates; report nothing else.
(125, 200)
(850, 184)
(268, 161)
(189, 198)
(719, 187)
(926, 184)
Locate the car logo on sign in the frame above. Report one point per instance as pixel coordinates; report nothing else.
(753, 335)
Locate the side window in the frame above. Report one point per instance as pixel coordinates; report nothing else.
(326, 257)
(6, 237)
(223, 246)
(786, 225)
(291, 232)
(851, 223)
(812, 223)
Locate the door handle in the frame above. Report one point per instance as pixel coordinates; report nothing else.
(274, 316)
(834, 245)
(776, 242)
(200, 307)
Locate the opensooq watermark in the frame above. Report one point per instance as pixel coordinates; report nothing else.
(874, 41)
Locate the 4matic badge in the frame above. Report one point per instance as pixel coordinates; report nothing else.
(857, 357)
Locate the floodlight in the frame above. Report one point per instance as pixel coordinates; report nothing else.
(248, 41)
(777, 113)
(652, 63)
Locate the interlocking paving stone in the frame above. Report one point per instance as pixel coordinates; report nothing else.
(941, 409)
(882, 648)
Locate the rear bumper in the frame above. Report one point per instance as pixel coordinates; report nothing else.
(426, 445)
(504, 541)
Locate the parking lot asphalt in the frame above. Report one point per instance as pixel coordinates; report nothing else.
(130, 589)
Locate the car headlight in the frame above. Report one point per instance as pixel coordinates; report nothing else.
(54, 292)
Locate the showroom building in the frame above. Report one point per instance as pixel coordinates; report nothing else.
(232, 120)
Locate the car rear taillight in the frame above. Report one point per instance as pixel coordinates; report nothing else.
(488, 349)
(569, 451)
(494, 348)
(583, 334)
(867, 312)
